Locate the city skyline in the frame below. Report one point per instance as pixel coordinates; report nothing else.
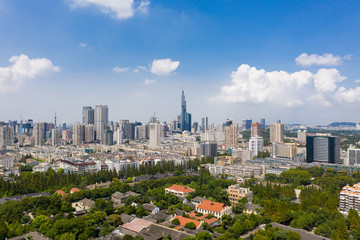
(137, 56)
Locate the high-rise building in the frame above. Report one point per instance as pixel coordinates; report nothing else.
(6, 136)
(276, 133)
(231, 133)
(185, 117)
(78, 134)
(323, 148)
(154, 134)
(208, 149)
(256, 145)
(353, 157)
(101, 120)
(55, 136)
(301, 136)
(39, 133)
(205, 124)
(262, 122)
(109, 137)
(246, 124)
(195, 126)
(256, 129)
(89, 133)
(88, 115)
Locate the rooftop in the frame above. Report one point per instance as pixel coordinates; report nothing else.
(180, 188)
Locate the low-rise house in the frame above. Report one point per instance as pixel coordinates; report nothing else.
(29, 195)
(135, 226)
(158, 232)
(151, 209)
(178, 190)
(98, 185)
(251, 208)
(74, 190)
(197, 200)
(120, 198)
(143, 178)
(85, 204)
(183, 221)
(205, 218)
(215, 208)
(31, 235)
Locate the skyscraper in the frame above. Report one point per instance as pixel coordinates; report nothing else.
(89, 133)
(154, 134)
(109, 137)
(78, 134)
(101, 120)
(55, 136)
(323, 148)
(205, 124)
(276, 133)
(39, 133)
(6, 136)
(256, 145)
(231, 133)
(88, 115)
(185, 117)
(256, 129)
(246, 124)
(262, 122)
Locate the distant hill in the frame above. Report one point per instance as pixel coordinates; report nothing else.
(337, 124)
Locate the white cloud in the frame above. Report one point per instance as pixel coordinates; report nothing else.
(83, 45)
(143, 6)
(23, 69)
(326, 59)
(325, 79)
(281, 88)
(357, 81)
(120, 70)
(319, 99)
(139, 68)
(350, 96)
(150, 81)
(120, 9)
(258, 86)
(164, 66)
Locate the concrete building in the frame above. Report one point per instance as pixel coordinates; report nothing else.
(301, 136)
(276, 133)
(242, 154)
(350, 198)
(185, 121)
(353, 157)
(39, 133)
(215, 208)
(256, 129)
(78, 134)
(284, 150)
(246, 124)
(205, 124)
(101, 120)
(55, 137)
(262, 122)
(88, 115)
(235, 193)
(208, 149)
(323, 149)
(6, 136)
(231, 133)
(89, 133)
(256, 145)
(109, 137)
(154, 134)
(178, 190)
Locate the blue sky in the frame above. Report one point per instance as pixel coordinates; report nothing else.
(137, 56)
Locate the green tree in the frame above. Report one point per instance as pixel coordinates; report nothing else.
(175, 221)
(190, 225)
(68, 236)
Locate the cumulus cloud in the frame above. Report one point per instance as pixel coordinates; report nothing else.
(326, 59)
(24, 69)
(150, 81)
(350, 96)
(164, 66)
(325, 79)
(139, 69)
(120, 69)
(120, 9)
(252, 85)
(83, 45)
(357, 81)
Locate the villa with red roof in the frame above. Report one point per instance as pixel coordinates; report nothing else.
(74, 190)
(215, 208)
(178, 190)
(183, 221)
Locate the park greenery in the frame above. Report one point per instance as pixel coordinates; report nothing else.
(316, 209)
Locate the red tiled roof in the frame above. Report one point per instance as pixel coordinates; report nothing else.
(211, 206)
(184, 221)
(74, 190)
(61, 192)
(203, 217)
(180, 188)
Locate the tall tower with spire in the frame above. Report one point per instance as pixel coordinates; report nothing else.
(55, 119)
(185, 117)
